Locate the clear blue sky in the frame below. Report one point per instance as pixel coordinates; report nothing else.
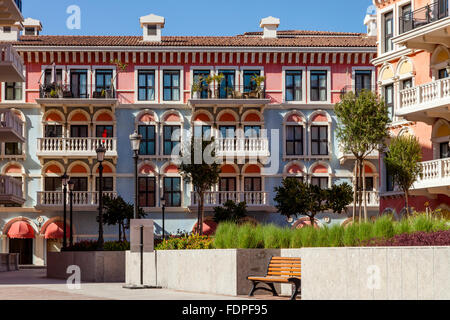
(231, 17)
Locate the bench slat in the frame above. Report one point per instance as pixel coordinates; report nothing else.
(284, 274)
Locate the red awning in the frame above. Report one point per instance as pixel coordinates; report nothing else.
(21, 230)
(55, 231)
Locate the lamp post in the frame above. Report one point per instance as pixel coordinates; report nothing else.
(71, 187)
(101, 150)
(163, 207)
(135, 140)
(64, 179)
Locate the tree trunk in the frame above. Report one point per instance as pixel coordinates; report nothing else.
(200, 213)
(406, 203)
(361, 165)
(355, 188)
(311, 219)
(124, 233)
(365, 195)
(120, 232)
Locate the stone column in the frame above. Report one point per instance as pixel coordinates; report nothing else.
(4, 240)
(39, 250)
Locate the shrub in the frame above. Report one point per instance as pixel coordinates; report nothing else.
(336, 236)
(249, 236)
(439, 238)
(225, 236)
(308, 236)
(193, 242)
(384, 228)
(351, 235)
(365, 231)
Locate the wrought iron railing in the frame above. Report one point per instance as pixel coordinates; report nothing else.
(228, 92)
(430, 13)
(66, 91)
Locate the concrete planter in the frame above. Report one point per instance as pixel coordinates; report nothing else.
(95, 266)
(327, 273)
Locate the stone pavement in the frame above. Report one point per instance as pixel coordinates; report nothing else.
(32, 284)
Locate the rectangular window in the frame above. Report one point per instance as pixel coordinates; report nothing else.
(388, 31)
(147, 195)
(78, 83)
(406, 84)
(200, 77)
(226, 87)
(48, 77)
(53, 184)
(228, 132)
(78, 131)
(104, 131)
(13, 91)
(53, 131)
(318, 85)
(148, 141)
(252, 131)
(444, 150)
(252, 184)
(406, 19)
(294, 140)
(389, 100)
(442, 74)
(249, 82)
(227, 184)
(321, 182)
(293, 84)
(203, 132)
(108, 184)
(103, 80)
(389, 181)
(172, 138)
(152, 30)
(29, 31)
(442, 9)
(171, 81)
(13, 148)
(172, 192)
(80, 183)
(363, 80)
(319, 140)
(146, 85)
(369, 184)
(6, 29)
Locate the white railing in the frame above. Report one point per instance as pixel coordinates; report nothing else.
(77, 146)
(426, 93)
(373, 199)
(80, 198)
(435, 173)
(218, 198)
(9, 120)
(10, 187)
(348, 155)
(243, 146)
(9, 55)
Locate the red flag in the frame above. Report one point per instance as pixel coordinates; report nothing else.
(104, 135)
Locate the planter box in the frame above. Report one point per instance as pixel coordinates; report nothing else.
(392, 273)
(95, 266)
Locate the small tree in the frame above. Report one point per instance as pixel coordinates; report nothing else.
(119, 212)
(230, 212)
(362, 128)
(201, 173)
(402, 161)
(295, 198)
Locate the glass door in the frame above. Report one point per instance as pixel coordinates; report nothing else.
(78, 83)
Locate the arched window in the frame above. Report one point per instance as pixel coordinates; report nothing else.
(104, 122)
(320, 174)
(441, 139)
(294, 132)
(172, 185)
(320, 135)
(148, 191)
(79, 124)
(172, 135)
(147, 127)
(296, 170)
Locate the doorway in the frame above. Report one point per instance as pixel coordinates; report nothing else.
(25, 249)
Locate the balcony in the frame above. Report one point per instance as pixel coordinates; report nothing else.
(254, 199)
(82, 200)
(56, 94)
(11, 12)
(343, 156)
(11, 64)
(435, 178)
(427, 102)
(11, 193)
(229, 96)
(75, 147)
(373, 199)
(426, 27)
(11, 127)
(242, 147)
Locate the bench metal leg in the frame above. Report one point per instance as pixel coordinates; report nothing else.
(255, 288)
(296, 288)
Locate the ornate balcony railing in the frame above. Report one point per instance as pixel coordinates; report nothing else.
(66, 91)
(243, 146)
(10, 58)
(10, 190)
(80, 198)
(429, 94)
(372, 197)
(75, 146)
(435, 174)
(218, 198)
(228, 92)
(430, 13)
(11, 127)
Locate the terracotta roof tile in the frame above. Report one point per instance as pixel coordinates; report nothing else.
(290, 38)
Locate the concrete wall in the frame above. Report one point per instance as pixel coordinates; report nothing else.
(394, 273)
(101, 266)
(9, 262)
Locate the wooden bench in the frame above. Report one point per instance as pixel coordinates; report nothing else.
(280, 270)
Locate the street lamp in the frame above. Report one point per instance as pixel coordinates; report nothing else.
(71, 187)
(101, 150)
(163, 207)
(135, 140)
(65, 179)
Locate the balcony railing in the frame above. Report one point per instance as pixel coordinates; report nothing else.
(75, 146)
(430, 13)
(218, 198)
(80, 198)
(11, 127)
(426, 94)
(10, 58)
(67, 91)
(372, 197)
(228, 92)
(243, 146)
(343, 156)
(435, 173)
(10, 190)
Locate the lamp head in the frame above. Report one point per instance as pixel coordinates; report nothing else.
(135, 140)
(101, 150)
(65, 179)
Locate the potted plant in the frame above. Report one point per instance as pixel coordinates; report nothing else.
(197, 88)
(218, 78)
(208, 80)
(258, 80)
(54, 94)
